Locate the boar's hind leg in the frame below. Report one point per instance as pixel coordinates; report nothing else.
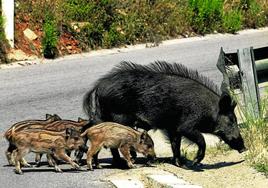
(196, 137)
(38, 157)
(19, 154)
(93, 152)
(10, 154)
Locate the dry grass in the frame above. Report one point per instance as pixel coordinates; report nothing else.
(255, 133)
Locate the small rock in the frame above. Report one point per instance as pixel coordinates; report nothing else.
(19, 55)
(29, 34)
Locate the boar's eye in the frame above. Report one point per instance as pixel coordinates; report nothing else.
(76, 138)
(149, 145)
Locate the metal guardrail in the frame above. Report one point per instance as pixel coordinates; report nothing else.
(245, 70)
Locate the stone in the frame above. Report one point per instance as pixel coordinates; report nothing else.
(29, 34)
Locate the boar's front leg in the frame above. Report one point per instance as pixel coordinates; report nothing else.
(60, 153)
(53, 162)
(125, 150)
(175, 141)
(196, 137)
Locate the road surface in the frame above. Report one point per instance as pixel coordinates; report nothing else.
(58, 87)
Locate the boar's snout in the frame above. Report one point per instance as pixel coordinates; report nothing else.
(151, 157)
(242, 150)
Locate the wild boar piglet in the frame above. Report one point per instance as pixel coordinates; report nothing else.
(114, 135)
(22, 125)
(43, 141)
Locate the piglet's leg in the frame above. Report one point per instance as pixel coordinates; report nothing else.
(94, 149)
(53, 163)
(20, 153)
(10, 154)
(125, 150)
(38, 157)
(62, 155)
(25, 163)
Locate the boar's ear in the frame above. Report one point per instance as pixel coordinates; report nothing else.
(226, 103)
(80, 119)
(48, 116)
(143, 136)
(56, 117)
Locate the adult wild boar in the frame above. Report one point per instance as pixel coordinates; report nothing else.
(165, 96)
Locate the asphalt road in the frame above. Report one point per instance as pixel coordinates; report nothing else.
(58, 87)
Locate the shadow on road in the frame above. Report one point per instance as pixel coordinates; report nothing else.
(107, 163)
(188, 165)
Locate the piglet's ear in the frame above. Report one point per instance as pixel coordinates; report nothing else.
(68, 132)
(143, 136)
(226, 103)
(56, 117)
(80, 120)
(48, 116)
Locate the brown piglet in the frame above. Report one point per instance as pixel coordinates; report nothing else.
(53, 143)
(114, 135)
(21, 126)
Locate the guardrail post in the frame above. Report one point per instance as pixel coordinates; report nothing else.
(8, 15)
(249, 80)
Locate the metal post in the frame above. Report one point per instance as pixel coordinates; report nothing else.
(249, 80)
(8, 15)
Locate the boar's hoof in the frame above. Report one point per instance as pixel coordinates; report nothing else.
(131, 166)
(196, 164)
(77, 167)
(57, 169)
(27, 165)
(98, 166)
(177, 162)
(18, 172)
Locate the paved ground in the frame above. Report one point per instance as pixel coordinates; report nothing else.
(58, 87)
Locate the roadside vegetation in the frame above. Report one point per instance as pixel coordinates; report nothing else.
(82, 25)
(3, 42)
(255, 132)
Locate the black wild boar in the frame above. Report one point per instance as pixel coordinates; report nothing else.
(114, 135)
(43, 141)
(21, 126)
(165, 96)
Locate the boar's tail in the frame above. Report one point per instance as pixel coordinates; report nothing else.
(8, 134)
(91, 104)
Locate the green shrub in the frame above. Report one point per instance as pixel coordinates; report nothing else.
(232, 21)
(254, 15)
(206, 15)
(93, 35)
(50, 38)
